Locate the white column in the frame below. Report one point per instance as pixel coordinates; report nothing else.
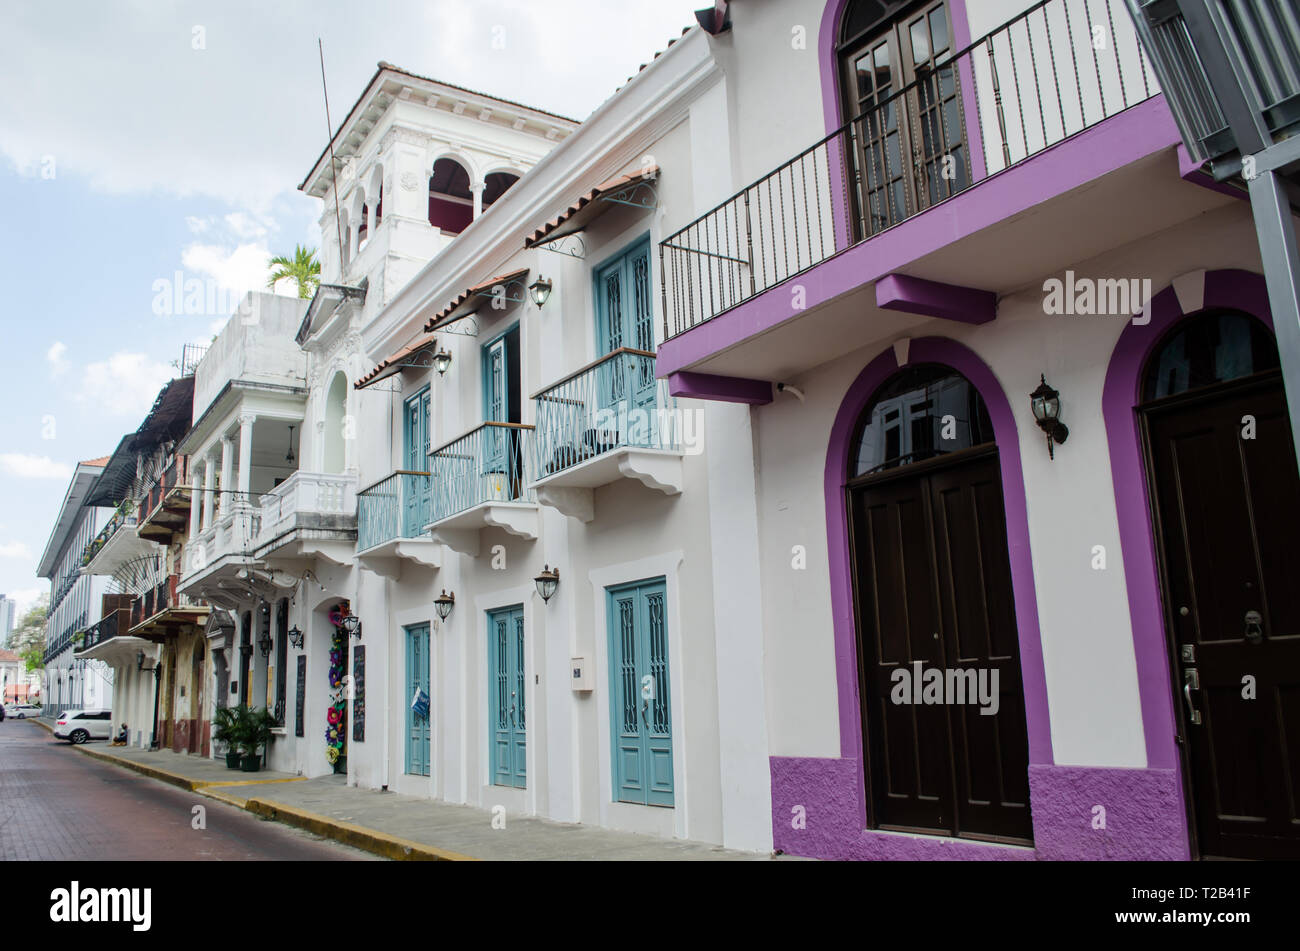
(477, 191)
(246, 454)
(196, 499)
(227, 467)
(209, 489)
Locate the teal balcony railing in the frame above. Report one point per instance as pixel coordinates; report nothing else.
(613, 403)
(396, 508)
(490, 464)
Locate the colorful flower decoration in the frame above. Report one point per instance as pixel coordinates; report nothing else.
(332, 755)
(335, 733)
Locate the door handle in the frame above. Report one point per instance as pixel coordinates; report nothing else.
(512, 714)
(1254, 627)
(1191, 681)
(645, 705)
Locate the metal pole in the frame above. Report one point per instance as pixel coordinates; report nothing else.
(1278, 249)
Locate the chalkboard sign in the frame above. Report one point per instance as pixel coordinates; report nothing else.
(301, 701)
(359, 693)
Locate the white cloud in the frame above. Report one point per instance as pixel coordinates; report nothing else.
(236, 271)
(126, 384)
(34, 467)
(212, 130)
(25, 598)
(197, 225)
(244, 225)
(54, 357)
(14, 550)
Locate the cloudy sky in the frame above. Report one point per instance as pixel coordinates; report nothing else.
(139, 138)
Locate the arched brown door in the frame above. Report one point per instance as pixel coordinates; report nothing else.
(1225, 499)
(943, 712)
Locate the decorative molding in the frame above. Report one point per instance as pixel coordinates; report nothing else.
(575, 503)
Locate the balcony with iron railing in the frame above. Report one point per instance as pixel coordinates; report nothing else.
(118, 543)
(165, 504)
(610, 420)
(481, 480)
(1059, 69)
(392, 522)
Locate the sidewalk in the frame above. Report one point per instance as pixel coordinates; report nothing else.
(403, 827)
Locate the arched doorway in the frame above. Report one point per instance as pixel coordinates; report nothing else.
(1224, 495)
(336, 409)
(938, 657)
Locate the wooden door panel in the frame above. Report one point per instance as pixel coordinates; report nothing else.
(1227, 507)
(933, 584)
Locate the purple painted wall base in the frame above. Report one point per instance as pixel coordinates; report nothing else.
(1144, 816)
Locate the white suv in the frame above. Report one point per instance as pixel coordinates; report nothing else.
(78, 726)
(21, 711)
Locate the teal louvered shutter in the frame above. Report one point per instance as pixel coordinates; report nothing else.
(417, 679)
(507, 666)
(641, 719)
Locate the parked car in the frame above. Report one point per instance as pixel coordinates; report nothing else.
(21, 711)
(78, 726)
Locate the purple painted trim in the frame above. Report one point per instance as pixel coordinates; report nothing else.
(1143, 816)
(953, 354)
(915, 295)
(1111, 144)
(1190, 170)
(1240, 290)
(726, 389)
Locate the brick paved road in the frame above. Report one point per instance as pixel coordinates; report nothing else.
(57, 804)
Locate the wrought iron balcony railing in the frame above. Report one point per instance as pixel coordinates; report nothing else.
(109, 626)
(1059, 68)
(490, 464)
(613, 403)
(176, 474)
(396, 508)
(124, 517)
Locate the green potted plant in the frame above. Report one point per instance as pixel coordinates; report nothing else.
(257, 733)
(225, 730)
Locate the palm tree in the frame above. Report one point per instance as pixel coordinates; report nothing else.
(304, 270)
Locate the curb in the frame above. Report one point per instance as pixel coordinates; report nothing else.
(153, 772)
(369, 840)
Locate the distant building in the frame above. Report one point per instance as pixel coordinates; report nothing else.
(8, 618)
(75, 598)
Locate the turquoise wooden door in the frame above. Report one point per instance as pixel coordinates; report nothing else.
(496, 407)
(624, 318)
(416, 503)
(641, 721)
(417, 679)
(507, 710)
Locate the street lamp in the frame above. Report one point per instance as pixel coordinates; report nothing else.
(540, 290)
(352, 626)
(443, 604)
(264, 644)
(295, 637)
(547, 582)
(442, 361)
(1046, 405)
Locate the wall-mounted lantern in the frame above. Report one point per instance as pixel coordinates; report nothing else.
(352, 626)
(442, 361)
(295, 637)
(264, 644)
(540, 290)
(1046, 404)
(547, 582)
(443, 604)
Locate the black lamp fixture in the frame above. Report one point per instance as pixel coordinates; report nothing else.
(443, 604)
(442, 361)
(295, 637)
(540, 290)
(264, 644)
(547, 582)
(1046, 404)
(352, 626)
(289, 456)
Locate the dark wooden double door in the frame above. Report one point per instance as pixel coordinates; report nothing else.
(933, 584)
(1226, 502)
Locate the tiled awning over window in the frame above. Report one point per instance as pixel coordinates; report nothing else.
(622, 189)
(408, 356)
(471, 299)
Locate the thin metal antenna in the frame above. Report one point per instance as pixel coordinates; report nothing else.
(329, 131)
